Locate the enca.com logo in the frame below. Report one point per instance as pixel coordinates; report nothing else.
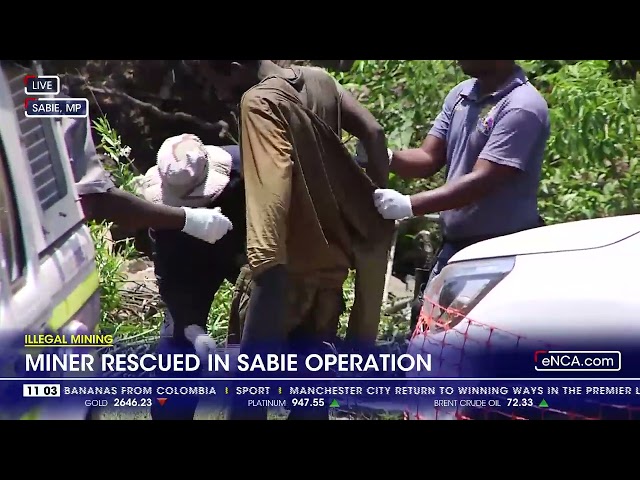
(577, 361)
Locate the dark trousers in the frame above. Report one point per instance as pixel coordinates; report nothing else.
(302, 343)
(317, 314)
(189, 274)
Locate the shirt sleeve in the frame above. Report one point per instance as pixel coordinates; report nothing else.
(88, 172)
(440, 128)
(516, 133)
(267, 170)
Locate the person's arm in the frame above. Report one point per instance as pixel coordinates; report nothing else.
(422, 162)
(99, 197)
(267, 171)
(128, 211)
(102, 201)
(429, 159)
(359, 122)
(504, 156)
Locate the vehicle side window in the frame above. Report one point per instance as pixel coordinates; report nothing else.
(10, 232)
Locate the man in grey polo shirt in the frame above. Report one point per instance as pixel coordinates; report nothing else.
(490, 136)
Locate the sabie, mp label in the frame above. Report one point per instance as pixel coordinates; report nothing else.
(56, 107)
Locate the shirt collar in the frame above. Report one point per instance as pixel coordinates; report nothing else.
(270, 69)
(515, 80)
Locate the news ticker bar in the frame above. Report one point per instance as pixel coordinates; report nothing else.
(223, 379)
(588, 398)
(48, 106)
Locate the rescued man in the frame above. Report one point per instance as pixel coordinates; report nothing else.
(309, 213)
(189, 271)
(491, 136)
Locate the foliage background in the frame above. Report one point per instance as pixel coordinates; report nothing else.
(590, 170)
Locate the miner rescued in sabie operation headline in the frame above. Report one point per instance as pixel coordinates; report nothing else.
(75, 362)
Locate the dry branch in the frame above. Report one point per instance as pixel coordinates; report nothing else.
(221, 127)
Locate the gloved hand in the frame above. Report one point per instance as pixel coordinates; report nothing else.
(392, 205)
(206, 224)
(202, 342)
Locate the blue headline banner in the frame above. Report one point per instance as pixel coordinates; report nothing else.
(452, 381)
(44, 355)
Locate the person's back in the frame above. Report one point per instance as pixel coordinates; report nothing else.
(310, 255)
(320, 93)
(332, 225)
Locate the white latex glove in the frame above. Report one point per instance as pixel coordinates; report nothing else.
(392, 205)
(206, 224)
(203, 343)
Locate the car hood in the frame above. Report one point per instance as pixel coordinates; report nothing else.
(564, 237)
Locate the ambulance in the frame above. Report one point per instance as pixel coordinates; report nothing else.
(48, 277)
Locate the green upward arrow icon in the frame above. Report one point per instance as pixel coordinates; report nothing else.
(334, 404)
(543, 404)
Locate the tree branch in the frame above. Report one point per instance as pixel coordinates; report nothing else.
(221, 127)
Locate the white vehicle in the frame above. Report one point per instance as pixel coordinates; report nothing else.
(571, 282)
(48, 277)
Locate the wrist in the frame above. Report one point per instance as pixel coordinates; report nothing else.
(410, 205)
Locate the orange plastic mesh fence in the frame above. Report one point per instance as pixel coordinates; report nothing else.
(446, 334)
